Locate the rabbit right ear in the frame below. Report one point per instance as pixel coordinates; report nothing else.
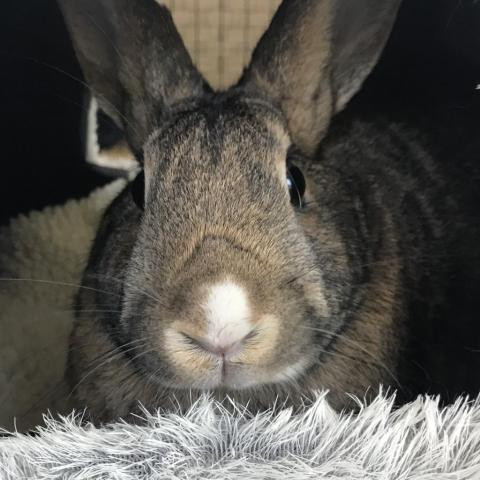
(133, 59)
(315, 56)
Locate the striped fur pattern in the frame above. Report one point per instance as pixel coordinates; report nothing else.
(330, 285)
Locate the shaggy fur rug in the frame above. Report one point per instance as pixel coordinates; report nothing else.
(41, 260)
(418, 441)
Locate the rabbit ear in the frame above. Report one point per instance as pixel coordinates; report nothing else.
(314, 57)
(133, 59)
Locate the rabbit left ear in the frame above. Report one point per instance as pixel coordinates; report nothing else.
(133, 59)
(315, 56)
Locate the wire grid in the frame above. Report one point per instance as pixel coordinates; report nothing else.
(221, 34)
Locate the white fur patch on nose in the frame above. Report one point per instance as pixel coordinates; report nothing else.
(227, 312)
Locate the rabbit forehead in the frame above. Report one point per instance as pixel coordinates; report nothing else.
(216, 129)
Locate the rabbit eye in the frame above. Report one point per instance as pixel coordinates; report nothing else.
(137, 188)
(296, 184)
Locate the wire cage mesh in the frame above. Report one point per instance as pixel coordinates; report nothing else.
(221, 34)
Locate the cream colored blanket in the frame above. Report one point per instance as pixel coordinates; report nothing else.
(42, 256)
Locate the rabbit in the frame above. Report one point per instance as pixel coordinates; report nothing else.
(264, 251)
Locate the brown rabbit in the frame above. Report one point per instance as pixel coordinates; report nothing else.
(255, 255)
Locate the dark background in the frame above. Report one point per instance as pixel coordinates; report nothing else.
(42, 108)
(427, 78)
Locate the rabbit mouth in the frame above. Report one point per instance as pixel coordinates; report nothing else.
(227, 374)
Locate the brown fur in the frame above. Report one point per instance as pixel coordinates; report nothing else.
(325, 279)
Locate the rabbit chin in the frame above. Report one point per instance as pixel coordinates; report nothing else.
(228, 377)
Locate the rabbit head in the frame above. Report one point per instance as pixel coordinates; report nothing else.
(228, 275)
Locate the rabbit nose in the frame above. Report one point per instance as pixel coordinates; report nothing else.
(220, 348)
(227, 314)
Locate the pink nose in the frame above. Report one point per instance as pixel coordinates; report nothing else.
(220, 349)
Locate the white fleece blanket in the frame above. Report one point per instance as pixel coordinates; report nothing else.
(41, 260)
(42, 256)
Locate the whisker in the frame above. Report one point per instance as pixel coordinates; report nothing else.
(122, 281)
(56, 283)
(87, 310)
(117, 352)
(51, 391)
(84, 84)
(121, 60)
(359, 347)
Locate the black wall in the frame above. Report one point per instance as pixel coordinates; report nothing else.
(41, 109)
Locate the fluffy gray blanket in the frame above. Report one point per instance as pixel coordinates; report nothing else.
(419, 441)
